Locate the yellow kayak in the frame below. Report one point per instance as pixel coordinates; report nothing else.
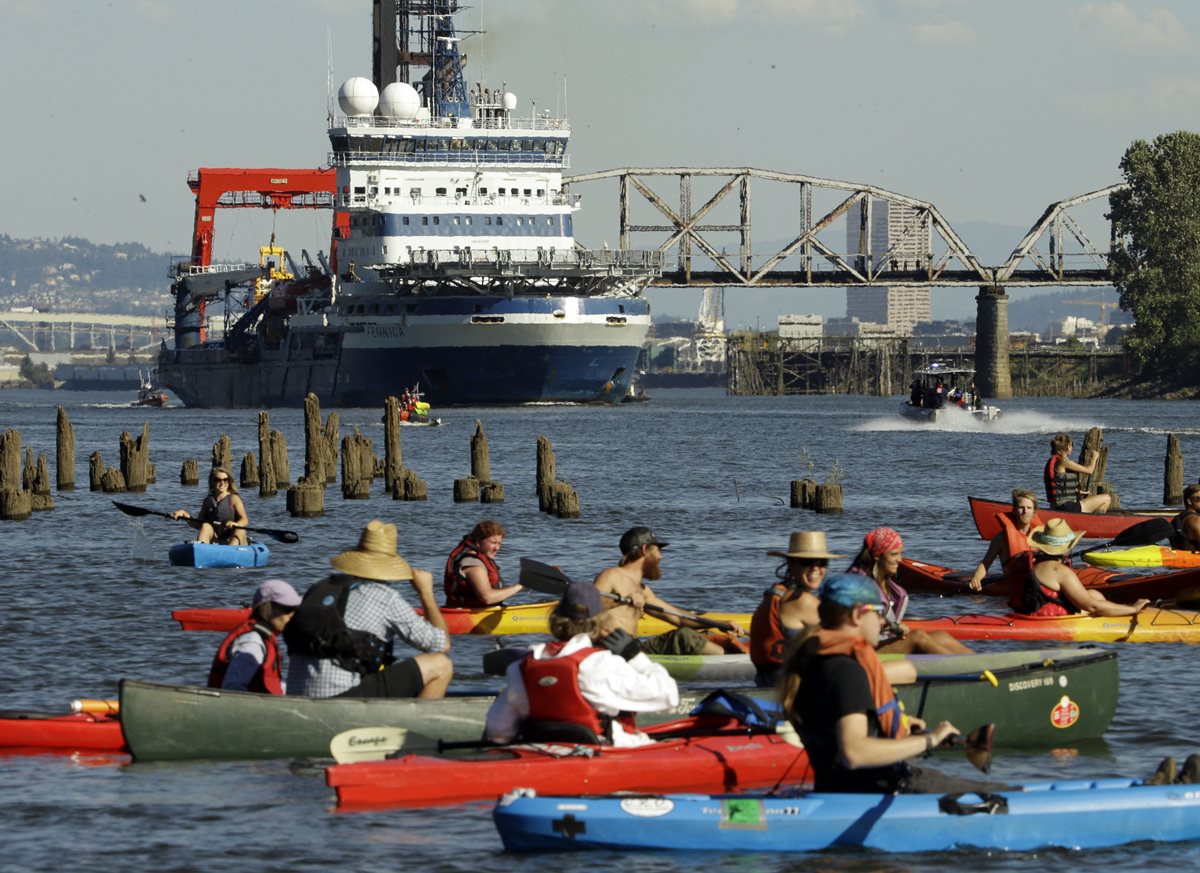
(1144, 556)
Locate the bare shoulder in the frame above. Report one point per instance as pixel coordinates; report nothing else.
(616, 580)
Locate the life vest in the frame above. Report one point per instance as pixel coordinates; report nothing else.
(767, 635)
(459, 591)
(318, 629)
(1035, 597)
(558, 711)
(1180, 540)
(218, 513)
(267, 680)
(1060, 487)
(1020, 561)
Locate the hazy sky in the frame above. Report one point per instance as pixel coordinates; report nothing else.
(991, 110)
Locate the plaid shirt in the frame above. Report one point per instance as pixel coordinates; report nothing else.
(377, 608)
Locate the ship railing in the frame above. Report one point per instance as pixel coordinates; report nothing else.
(500, 122)
(351, 200)
(641, 260)
(182, 266)
(460, 156)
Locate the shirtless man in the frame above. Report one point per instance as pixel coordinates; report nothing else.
(641, 558)
(1187, 523)
(1021, 522)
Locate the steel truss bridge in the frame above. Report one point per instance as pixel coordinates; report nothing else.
(69, 331)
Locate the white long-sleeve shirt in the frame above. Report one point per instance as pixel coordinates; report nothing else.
(606, 680)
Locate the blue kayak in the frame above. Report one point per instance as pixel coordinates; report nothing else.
(213, 555)
(1076, 814)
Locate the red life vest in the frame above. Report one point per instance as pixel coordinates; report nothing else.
(552, 686)
(766, 629)
(267, 680)
(460, 593)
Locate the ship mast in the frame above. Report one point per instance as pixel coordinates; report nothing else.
(423, 37)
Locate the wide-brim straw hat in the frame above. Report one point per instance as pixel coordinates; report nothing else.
(806, 544)
(376, 557)
(1056, 538)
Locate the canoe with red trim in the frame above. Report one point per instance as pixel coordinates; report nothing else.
(1095, 526)
(1118, 587)
(733, 758)
(1151, 625)
(37, 733)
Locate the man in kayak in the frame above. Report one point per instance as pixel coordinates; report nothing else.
(1052, 588)
(837, 696)
(641, 559)
(341, 638)
(1011, 545)
(472, 577)
(790, 605)
(222, 517)
(248, 658)
(1187, 523)
(585, 687)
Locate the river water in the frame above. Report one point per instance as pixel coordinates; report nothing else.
(87, 594)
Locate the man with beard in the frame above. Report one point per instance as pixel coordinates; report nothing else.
(641, 559)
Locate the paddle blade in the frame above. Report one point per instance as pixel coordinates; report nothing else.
(979, 747)
(366, 744)
(543, 578)
(1144, 533)
(136, 511)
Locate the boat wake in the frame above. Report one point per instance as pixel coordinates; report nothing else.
(963, 422)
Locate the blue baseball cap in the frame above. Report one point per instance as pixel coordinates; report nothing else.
(849, 589)
(581, 601)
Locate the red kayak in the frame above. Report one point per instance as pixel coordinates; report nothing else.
(1151, 625)
(38, 733)
(727, 757)
(1117, 587)
(1095, 526)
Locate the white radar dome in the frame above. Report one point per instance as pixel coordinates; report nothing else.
(509, 101)
(399, 100)
(358, 96)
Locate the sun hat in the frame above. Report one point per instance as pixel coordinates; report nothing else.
(806, 544)
(581, 600)
(849, 589)
(882, 540)
(376, 557)
(277, 591)
(1056, 538)
(636, 537)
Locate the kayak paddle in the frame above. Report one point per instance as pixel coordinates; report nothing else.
(977, 745)
(1144, 533)
(284, 536)
(550, 580)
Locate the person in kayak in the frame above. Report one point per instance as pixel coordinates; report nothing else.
(1011, 544)
(472, 578)
(1061, 476)
(248, 659)
(222, 517)
(341, 638)
(790, 605)
(641, 559)
(1187, 523)
(1052, 587)
(585, 687)
(879, 559)
(837, 696)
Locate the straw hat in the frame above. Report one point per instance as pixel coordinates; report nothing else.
(376, 557)
(1056, 538)
(806, 544)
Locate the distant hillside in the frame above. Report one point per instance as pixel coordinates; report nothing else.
(74, 275)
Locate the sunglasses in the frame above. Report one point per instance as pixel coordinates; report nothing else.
(811, 562)
(876, 608)
(220, 478)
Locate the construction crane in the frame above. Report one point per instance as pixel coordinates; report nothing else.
(1103, 304)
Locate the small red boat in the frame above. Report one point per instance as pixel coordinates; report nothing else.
(39, 733)
(1095, 526)
(717, 755)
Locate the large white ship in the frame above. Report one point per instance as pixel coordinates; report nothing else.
(453, 264)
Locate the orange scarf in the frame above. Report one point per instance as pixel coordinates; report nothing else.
(892, 720)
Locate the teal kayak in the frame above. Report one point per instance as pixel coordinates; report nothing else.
(1079, 814)
(214, 555)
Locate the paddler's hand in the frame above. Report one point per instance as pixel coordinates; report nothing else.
(736, 630)
(621, 642)
(1139, 605)
(943, 732)
(180, 513)
(422, 582)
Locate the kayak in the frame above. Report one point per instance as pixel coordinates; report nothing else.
(525, 618)
(1144, 556)
(216, 555)
(1095, 526)
(1117, 587)
(1079, 814)
(726, 756)
(36, 733)
(183, 722)
(1151, 625)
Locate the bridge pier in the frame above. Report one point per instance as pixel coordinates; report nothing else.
(991, 343)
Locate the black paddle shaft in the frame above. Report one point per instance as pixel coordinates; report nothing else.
(284, 536)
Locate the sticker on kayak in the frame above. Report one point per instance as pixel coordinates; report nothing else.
(743, 813)
(647, 807)
(1065, 714)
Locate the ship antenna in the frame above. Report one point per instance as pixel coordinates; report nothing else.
(329, 72)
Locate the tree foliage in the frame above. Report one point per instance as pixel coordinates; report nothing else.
(1155, 260)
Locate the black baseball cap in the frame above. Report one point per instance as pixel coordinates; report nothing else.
(636, 537)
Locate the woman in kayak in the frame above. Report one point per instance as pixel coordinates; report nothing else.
(248, 659)
(879, 559)
(790, 604)
(472, 578)
(1061, 476)
(222, 517)
(1052, 587)
(585, 687)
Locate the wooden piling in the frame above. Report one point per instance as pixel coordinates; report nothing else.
(248, 477)
(10, 461)
(222, 453)
(410, 487)
(316, 448)
(466, 490)
(41, 500)
(357, 466)
(545, 473)
(64, 441)
(135, 456)
(828, 498)
(28, 469)
(1173, 475)
(393, 453)
(15, 504)
(306, 499)
(491, 492)
(481, 465)
(564, 500)
(283, 471)
(189, 473)
(267, 480)
(112, 481)
(95, 471)
(332, 440)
